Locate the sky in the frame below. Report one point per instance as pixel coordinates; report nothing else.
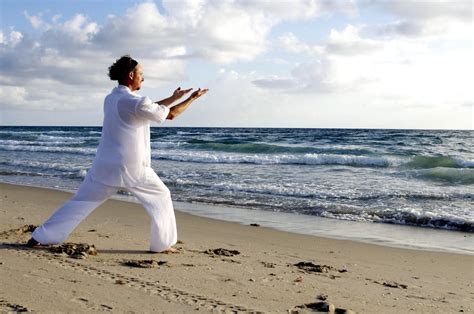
(403, 64)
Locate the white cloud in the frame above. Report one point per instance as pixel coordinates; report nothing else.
(403, 67)
(291, 43)
(15, 38)
(35, 20)
(15, 95)
(76, 53)
(427, 9)
(450, 19)
(345, 42)
(349, 42)
(275, 83)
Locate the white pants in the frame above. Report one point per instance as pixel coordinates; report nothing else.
(152, 193)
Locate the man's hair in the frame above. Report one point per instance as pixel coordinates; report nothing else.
(120, 69)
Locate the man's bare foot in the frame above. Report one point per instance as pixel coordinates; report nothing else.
(170, 250)
(32, 243)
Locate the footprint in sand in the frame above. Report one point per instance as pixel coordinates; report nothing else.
(90, 305)
(75, 250)
(145, 263)
(8, 307)
(221, 252)
(17, 231)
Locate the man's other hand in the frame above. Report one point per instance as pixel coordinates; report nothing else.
(198, 93)
(178, 93)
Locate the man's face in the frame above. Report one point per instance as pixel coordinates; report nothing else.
(137, 78)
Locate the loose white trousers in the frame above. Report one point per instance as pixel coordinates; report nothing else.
(152, 193)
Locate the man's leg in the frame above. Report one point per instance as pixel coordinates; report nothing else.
(156, 198)
(58, 227)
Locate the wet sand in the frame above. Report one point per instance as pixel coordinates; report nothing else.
(219, 266)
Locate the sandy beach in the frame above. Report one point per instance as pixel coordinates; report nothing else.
(220, 266)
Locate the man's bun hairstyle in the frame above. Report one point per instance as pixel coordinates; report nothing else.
(120, 69)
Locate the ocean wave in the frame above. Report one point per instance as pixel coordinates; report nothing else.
(159, 145)
(49, 149)
(81, 174)
(40, 143)
(22, 173)
(66, 139)
(427, 162)
(44, 166)
(304, 159)
(405, 216)
(424, 220)
(276, 189)
(38, 132)
(448, 175)
(246, 146)
(14, 132)
(410, 218)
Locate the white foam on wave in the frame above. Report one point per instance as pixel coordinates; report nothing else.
(49, 149)
(464, 163)
(67, 166)
(305, 159)
(40, 143)
(158, 145)
(68, 139)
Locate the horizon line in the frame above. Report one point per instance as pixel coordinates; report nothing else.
(250, 127)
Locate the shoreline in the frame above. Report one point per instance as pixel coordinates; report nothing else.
(383, 234)
(256, 268)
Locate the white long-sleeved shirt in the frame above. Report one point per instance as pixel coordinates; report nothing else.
(124, 149)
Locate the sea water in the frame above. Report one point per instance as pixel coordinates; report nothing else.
(420, 178)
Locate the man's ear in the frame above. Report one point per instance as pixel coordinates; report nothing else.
(131, 75)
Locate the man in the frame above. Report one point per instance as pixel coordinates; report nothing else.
(123, 161)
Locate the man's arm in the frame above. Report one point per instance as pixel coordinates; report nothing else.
(177, 94)
(182, 106)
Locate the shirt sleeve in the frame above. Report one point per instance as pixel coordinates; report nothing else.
(147, 109)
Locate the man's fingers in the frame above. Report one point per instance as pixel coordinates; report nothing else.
(200, 92)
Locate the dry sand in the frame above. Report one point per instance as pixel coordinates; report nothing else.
(263, 276)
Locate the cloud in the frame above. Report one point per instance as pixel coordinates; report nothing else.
(397, 63)
(275, 83)
(76, 53)
(345, 42)
(292, 44)
(349, 42)
(413, 55)
(219, 31)
(426, 10)
(432, 18)
(15, 95)
(12, 40)
(35, 20)
(398, 28)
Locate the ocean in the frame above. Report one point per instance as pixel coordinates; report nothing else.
(419, 178)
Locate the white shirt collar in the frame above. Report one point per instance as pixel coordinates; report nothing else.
(122, 88)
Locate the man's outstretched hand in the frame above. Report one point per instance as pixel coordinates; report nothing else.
(178, 93)
(198, 93)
